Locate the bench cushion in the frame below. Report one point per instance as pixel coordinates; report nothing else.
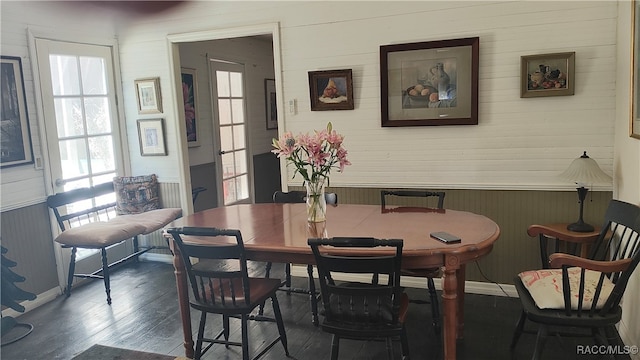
(136, 194)
(151, 220)
(99, 234)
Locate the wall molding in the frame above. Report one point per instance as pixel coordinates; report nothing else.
(29, 305)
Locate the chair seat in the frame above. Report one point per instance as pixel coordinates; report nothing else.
(260, 289)
(97, 235)
(559, 317)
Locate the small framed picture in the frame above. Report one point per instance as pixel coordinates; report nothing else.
(148, 96)
(16, 135)
(547, 75)
(271, 103)
(331, 90)
(190, 94)
(151, 136)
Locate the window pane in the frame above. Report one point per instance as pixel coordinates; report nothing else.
(98, 117)
(241, 162)
(224, 111)
(77, 184)
(93, 76)
(236, 84)
(229, 188)
(228, 169)
(101, 179)
(74, 159)
(223, 83)
(238, 137)
(101, 149)
(68, 117)
(64, 75)
(237, 111)
(242, 187)
(226, 138)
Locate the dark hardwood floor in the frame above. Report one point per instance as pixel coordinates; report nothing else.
(144, 316)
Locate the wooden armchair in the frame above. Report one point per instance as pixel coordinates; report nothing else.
(578, 293)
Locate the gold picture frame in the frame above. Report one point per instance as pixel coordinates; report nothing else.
(148, 96)
(547, 75)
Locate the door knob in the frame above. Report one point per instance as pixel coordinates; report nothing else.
(60, 182)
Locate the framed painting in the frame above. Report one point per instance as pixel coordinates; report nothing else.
(151, 137)
(148, 96)
(430, 83)
(190, 94)
(634, 121)
(331, 90)
(271, 104)
(547, 75)
(16, 135)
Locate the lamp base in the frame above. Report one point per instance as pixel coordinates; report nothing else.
(580, 227)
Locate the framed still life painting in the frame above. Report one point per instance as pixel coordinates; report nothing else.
(331, 90)
(430, 83)
(547, 75)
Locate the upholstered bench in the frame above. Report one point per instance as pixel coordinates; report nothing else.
(135, 212)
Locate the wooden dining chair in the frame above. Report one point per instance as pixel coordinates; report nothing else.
(578, 293)
(221, 285)
(430, 274)
(361, 310)
(300, 197)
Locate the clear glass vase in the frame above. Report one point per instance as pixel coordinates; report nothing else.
(316, 203)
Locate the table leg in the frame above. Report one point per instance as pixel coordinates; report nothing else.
(183, 299)
(461, 277)
(450, 305)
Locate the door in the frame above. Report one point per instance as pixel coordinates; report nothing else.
(232, 161)
(81, 127)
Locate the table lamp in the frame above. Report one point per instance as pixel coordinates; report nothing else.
(584, 170)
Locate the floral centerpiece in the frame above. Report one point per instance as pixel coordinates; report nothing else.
(313, 155)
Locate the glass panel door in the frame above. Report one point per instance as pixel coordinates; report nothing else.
(81, 126)
(233, 169)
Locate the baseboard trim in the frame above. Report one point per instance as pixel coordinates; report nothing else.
(163, 258)
(29, 305)
(471, 287)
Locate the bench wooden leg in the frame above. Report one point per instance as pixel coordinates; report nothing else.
(72, 269)
(105, 274)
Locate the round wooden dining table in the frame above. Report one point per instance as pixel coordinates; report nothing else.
(279, 233)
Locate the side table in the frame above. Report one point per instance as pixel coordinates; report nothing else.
(562, 240)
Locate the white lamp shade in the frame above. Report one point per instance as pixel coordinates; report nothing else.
(585, 170)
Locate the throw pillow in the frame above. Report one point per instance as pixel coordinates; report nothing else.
(545, 287)
(136, 194)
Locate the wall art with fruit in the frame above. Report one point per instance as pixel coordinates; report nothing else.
(547, 75)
